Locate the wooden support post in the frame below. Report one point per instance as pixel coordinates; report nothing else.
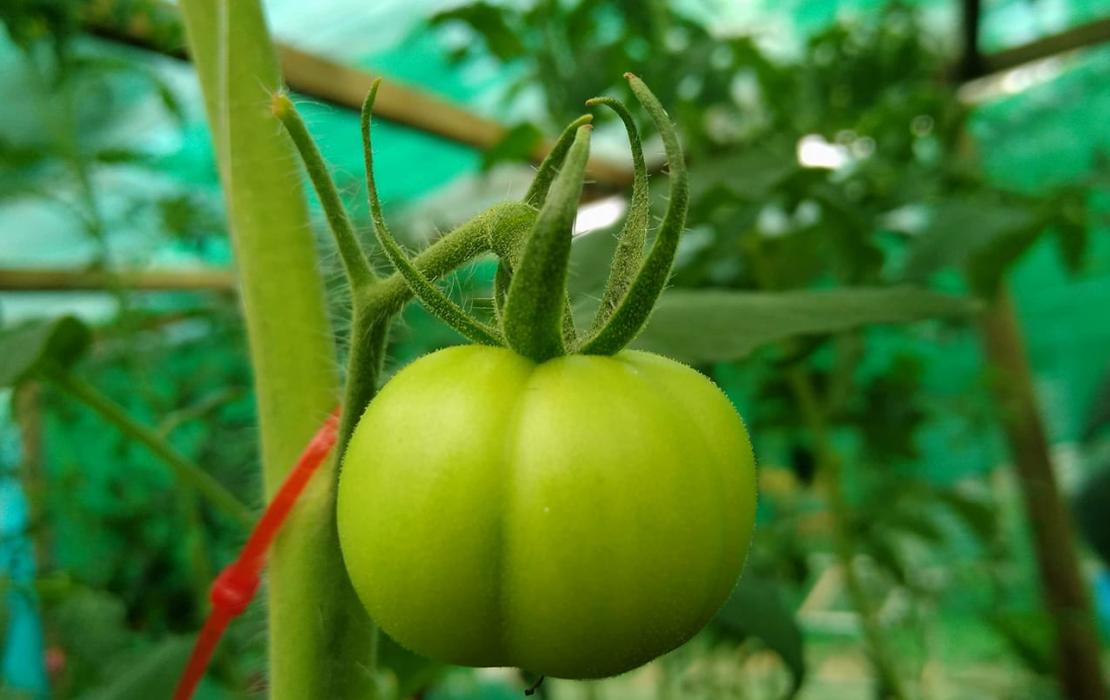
(1065, 594)
(56, 279)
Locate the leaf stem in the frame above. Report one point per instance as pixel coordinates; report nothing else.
(438, 303)
(187, 471)
(355, 262)
(828, 464)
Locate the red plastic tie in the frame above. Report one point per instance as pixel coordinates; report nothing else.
(235, 586)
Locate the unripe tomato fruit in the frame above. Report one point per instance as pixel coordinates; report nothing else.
(576, 518)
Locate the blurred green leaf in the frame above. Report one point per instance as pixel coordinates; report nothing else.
(516, 145)
(988, 265)
(751, 174)
(60, 343)
(1091, 505)
(120, 156)
(977, 514)
(958, 229)
(1098, 414)
(1029, 635)
(91, 625)
(489, 22)
(150, 674)
(413, 673)
(715, 326)
(755, 610)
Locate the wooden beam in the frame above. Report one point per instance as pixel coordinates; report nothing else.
(59, 279)
(1084, 35)
(158, 29)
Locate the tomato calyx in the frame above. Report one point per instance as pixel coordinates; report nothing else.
(530, 288)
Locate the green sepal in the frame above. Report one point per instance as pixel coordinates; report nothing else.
(357, 266)
(434, 300)
(533, 318)
(630, 315)
(509, 249)
(545, 174)
(630, 241)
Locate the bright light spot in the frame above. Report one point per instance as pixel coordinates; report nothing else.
(815, 152)
(599, 214)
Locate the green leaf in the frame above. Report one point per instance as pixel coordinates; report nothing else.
(58, 343)
(1098, 413)
(959, 229)
(149, 675)
(716, 326)
(755, 610)
(753, 174)
(1029, 635)
(413, 672)
(120, 156)
(516, 145)
(1091, 505)
(488, 21)
(976, 513)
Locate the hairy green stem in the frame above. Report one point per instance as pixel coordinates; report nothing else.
(438, 303)
(508, 220)
(376, 305)
(186, 471)
(357, 266)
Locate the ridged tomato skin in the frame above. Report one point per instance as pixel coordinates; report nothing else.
(576, 518)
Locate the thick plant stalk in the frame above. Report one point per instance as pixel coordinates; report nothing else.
(312, 609)
(1078, 668)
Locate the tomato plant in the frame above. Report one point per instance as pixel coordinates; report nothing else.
(576, 517)
(558, 504)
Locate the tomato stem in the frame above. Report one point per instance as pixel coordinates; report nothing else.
(236, 585)
(438, 303)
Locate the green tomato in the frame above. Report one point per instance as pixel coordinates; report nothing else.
(576, 518)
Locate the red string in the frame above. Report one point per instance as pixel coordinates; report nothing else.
(235, 586)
